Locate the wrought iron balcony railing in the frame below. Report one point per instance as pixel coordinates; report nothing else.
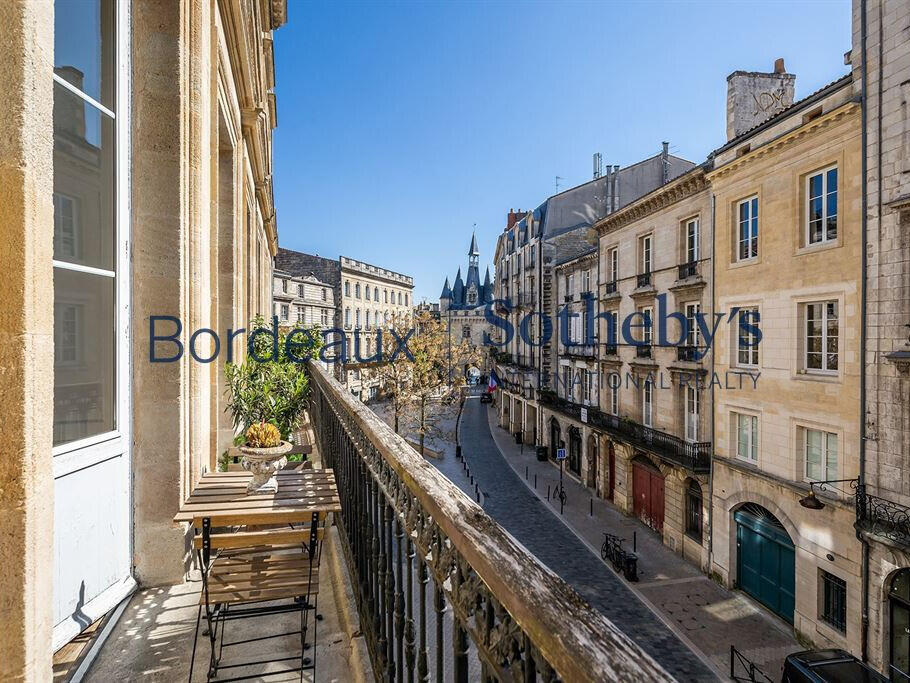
(580, 350)
(694, 456)
(882, 517)
(438, 583)
(643, 351)
(611, 349)
(690, 354)
(687, 270)
(609, 287)
(644, 279)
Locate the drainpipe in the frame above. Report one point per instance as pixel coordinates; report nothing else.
(862, 343)
(713, 442)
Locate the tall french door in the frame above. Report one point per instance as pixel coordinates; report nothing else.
(91, 395)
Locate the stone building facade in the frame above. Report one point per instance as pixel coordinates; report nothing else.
(881, 57)
(655, 394)
(164, 123)
(788, 261)
(304, 301)
(371, 297)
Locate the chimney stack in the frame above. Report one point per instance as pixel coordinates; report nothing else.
(754, 97)
(514, 217)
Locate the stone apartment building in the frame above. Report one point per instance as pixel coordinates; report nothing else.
(303, 300)
(559, 236)
(135, 162)
(371, 297)
(655, 396)
(788, 259)
(880, 61)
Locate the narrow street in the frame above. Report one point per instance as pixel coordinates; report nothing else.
(508, 500)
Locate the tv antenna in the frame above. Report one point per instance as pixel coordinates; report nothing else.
(558, 178)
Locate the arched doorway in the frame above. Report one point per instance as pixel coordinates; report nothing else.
(575, 451)
(592, 464)
(765, 559)
(555, 437)
(899, 626)
(648, 493)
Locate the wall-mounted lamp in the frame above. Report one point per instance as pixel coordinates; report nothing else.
(811, 502)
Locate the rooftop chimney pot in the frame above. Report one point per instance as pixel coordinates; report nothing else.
(779, 66)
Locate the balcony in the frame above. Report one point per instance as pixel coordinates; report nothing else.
(568, 297)
(611, 349)
(695, 457)
(527, 299)
(530, 265)
(643, 351)
(579, 350)
(690, 354)
(687, 270)
(643, 280)
(883, 518)
(609, 288)
(438, 582)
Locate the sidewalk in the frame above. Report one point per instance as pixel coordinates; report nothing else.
(708, 617)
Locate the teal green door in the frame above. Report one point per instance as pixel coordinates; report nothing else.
(766, 562)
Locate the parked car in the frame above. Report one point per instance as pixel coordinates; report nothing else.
(828, 666)
(486, 397)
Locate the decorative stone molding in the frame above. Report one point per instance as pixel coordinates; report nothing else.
(684, 186)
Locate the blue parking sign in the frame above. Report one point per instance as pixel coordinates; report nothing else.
(560, 453)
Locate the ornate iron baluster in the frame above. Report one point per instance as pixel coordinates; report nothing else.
(440, 605)
(460, 651)
(389, 594)
(409, 619)
(399, 603)
(423, 666)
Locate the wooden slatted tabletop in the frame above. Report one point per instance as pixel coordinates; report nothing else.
(222, 497)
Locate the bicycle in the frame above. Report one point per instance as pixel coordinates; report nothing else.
(612, 550)
(559, 494)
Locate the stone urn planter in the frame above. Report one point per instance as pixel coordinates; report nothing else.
(263, 463)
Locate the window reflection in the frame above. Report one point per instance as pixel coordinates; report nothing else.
(84, 371)
(84, 46)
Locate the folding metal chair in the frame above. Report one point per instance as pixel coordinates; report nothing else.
(243, 569)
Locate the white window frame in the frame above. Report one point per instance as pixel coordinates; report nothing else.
(647, 257)
(614, 396)
(586, 386)
(586, 281)
(285, 312)
(692, 411)
(753, 217)
(647, 403)
(691, 310)
(826, 447)
(59, 200)
(614, 264)
(753, 437)
(739, 336)
(692, 240)
(824, 369)
(647, 321)
(825, 192)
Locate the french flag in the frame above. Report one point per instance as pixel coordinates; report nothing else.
(494, 382)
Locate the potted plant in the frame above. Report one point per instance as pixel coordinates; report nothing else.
(267, 394)
(264, 453)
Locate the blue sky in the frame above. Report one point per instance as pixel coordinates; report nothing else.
(401, 125)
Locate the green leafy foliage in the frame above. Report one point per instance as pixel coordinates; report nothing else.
(268, 386)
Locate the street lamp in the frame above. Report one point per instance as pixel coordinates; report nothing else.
(811, 502)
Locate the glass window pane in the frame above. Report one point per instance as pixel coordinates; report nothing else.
(83, 182)
(84, 355)
(84, 46)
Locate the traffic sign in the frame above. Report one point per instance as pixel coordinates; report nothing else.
(560, 453)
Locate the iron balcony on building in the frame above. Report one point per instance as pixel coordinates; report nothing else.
(693, 456)
(580, 350)
(609, 288)
(611, 349)
(687, 270)
(441, 587)
(568, 297)
(643, 351)
(644, 280)
(531, 264)
(690, 354)
(883, 518)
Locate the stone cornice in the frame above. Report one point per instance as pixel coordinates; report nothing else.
(680, 188)
(787, 139)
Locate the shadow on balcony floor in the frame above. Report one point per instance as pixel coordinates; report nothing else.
(153, 640)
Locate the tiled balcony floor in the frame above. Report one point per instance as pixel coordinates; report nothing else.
(153, 640)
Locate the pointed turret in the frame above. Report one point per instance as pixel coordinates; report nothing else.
(487, 288)
(458, 290)
(446, 291)
(473, 251)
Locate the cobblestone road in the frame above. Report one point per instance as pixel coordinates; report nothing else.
(510, 502)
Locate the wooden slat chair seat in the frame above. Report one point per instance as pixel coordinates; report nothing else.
(274, 565)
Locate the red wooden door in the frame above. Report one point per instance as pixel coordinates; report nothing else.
(648, 496)
(657, 502)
